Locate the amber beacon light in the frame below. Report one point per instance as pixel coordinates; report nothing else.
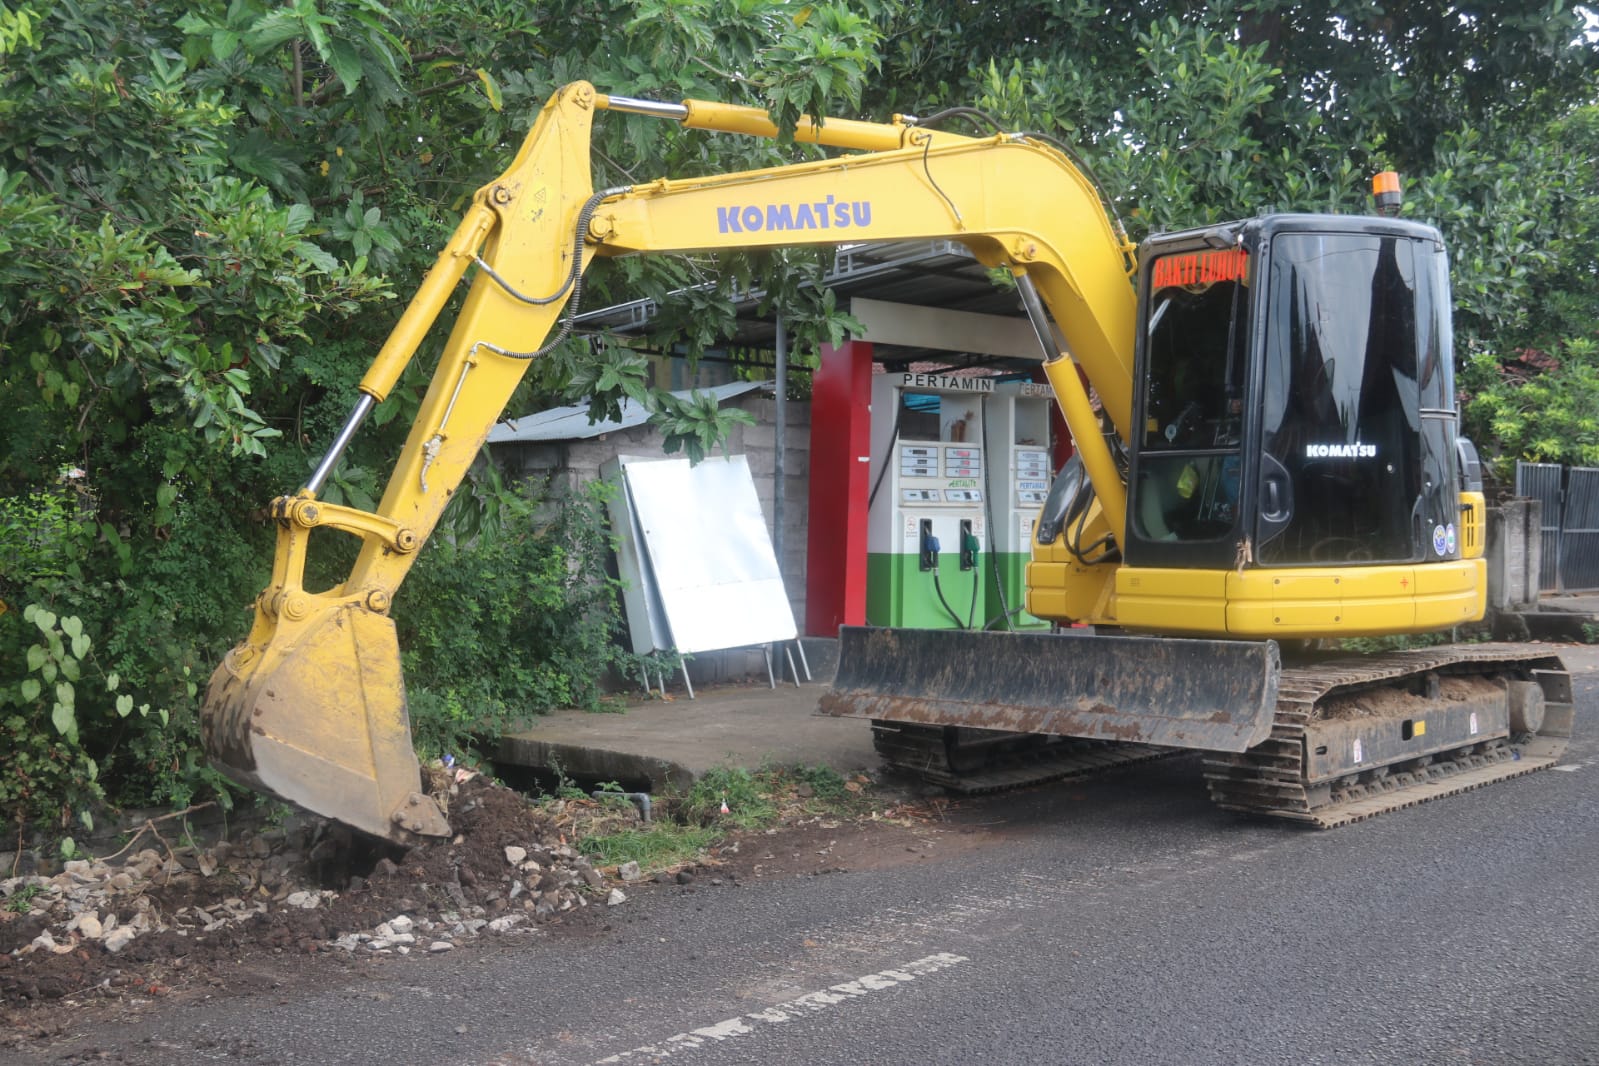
(1385, 189)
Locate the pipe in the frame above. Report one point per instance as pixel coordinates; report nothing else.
(641, 800)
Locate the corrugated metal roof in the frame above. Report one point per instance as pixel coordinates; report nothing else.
(572, 423)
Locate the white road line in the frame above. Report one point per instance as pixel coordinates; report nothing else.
(803, 1006)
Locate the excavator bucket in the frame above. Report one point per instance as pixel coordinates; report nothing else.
(320, 720)
(1211, 695)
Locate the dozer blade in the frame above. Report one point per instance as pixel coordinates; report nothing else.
(319, 719)
(1211, 695)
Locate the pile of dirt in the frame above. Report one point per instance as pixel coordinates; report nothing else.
(145, 920)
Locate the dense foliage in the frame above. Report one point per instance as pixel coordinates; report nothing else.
(211, 212)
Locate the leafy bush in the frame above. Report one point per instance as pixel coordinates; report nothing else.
(747, 797)
(46, 774)
(1537, 406)
(516, 620)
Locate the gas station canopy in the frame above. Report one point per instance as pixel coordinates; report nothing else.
(921, 300)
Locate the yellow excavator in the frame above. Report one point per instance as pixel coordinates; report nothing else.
(1279, 466)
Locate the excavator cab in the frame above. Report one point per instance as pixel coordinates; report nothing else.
(1295, 403)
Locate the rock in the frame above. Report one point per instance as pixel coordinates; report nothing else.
(87, 923)
(663, 878)
(305, 901)
(629, 871)
(44, 942)
(119, 938)
(403, 938)
(616, 897)
(515, 855)
(684, 877)
(401, 924)
(591, 877)
(438, 947)
(506, 924)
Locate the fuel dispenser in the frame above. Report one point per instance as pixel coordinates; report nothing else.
(927, 529)
(1019, 471)
(961, 466)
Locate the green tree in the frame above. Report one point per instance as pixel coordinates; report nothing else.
(207, 213)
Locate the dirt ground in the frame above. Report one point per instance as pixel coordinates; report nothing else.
(315, 906)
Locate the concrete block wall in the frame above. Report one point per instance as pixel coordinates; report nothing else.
(567, 465)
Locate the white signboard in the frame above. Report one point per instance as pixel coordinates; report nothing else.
(707, 559)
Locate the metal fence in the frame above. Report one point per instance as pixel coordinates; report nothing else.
(1570, 529)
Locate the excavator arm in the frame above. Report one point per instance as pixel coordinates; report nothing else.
(311, 707)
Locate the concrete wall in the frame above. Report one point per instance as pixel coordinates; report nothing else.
(569, 464)
(1514, 554)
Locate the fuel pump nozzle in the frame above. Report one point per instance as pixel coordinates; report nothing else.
(929, 546)
(969, 545)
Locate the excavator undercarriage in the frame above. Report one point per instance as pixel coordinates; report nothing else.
(1321, 739)
(1360, 735)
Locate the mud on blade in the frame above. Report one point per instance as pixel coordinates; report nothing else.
(1211, 695)
(320, 720)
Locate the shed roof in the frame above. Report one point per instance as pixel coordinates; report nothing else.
(572, 422)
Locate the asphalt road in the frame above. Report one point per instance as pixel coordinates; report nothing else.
(1122, 922)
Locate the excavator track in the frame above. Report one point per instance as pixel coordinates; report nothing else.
(1296, 773)
(976, 761)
